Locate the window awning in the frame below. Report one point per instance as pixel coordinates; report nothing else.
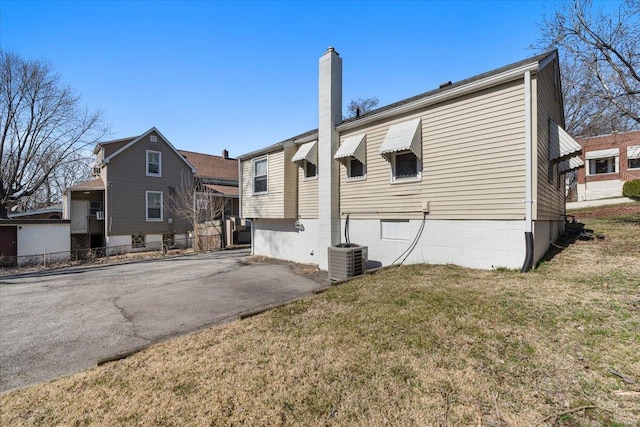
(602, 154)
(353, 146)
(561, 145)
(569, 165)
(633, 152)
(403, 136)
(308, 152)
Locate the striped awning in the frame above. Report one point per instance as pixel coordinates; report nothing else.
(602, 154)
(633, 152)
(561, 145)
(403, 136)
(572, 164)
(354, 146)
(308, 152)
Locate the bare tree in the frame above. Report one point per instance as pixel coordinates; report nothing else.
(600, 56)
(199, 206)
(361, 106)
(42, 126)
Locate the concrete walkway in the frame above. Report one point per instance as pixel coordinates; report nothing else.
(60, 322)
(597, 203)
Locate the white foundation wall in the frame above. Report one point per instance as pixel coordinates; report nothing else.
(474, 244)
(36, 239)
(278, 238)
(595, 190)
(153, 242)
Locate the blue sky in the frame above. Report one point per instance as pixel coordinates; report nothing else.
(242, 75)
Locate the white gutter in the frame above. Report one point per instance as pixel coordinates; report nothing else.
(528, 143)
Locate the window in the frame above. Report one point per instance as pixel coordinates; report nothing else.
(600, 166)
(394, 229)
(352, 153)
(137, 241)
(154, 205)
(310, 170)
(402, 148)
(306, 157)
(260, 176)
(405, 164)
(355, 168)
(154, 163)
(634, 163)
(94, 207)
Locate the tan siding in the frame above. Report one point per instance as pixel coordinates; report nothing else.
(127, 183)
(473, 162)
(549, 198)
(307, 196)
(290, 184)
(280, 200)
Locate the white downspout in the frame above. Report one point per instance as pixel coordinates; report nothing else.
(528, 143)
(528, 226)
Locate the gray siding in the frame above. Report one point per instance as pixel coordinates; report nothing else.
(126, 181)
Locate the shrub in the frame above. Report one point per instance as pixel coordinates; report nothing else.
(631, 189)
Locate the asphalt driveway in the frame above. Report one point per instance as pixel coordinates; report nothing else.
(60, 322)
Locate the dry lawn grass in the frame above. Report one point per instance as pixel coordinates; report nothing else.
(416, 345)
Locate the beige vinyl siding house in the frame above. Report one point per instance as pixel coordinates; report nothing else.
(280, 198)
(460, 174)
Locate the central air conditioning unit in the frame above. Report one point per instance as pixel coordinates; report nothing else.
(100, 215)
(347, 260)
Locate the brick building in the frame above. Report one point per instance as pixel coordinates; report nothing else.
(610, 161)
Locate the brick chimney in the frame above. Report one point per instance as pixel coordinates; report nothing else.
(225, 154)
(329, 115)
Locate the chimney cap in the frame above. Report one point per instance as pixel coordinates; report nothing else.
(332, 49)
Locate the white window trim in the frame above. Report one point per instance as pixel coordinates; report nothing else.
(630, 168)
(253, 177)
(304, 172)
(146, 205)
(401, 180)
(616, 166)
(147, 163)
(100, 206)
(356, 178)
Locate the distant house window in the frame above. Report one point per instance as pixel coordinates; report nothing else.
(634, 163)
(355, 168)
(154, 163)
(137, 241)
(601, 166)
(94, 207)
(405, 164)
(154, 205)
(310, 170)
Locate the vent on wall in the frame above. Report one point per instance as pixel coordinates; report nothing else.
(153, 138)
(100, 215)
(347, 261)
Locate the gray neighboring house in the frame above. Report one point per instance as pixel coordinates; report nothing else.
(125, 205)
